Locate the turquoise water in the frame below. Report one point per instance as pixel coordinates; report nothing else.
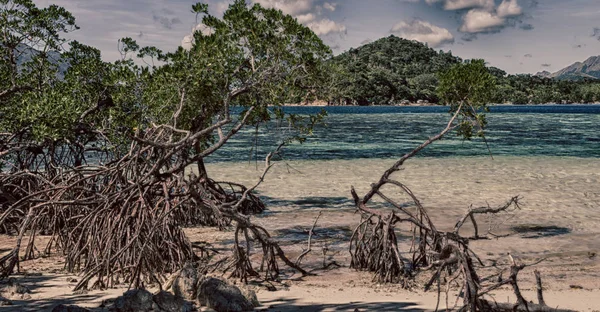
(384, 131)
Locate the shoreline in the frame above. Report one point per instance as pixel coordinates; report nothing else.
(438, 105)
(419, 158)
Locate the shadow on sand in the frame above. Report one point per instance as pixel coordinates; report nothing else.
(289, 305)
(48, 283)
(310, 202)
(539, 231)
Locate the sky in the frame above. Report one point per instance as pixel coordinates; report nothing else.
(518, 36)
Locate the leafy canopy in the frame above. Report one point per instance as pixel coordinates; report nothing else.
(467, 88)
(252, 58)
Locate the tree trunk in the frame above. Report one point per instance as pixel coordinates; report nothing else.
(198, 149)
(202, 169)
(202, 174)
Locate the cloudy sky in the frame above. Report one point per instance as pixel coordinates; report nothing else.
(519, 36)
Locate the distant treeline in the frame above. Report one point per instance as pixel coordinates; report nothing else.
(393, 71)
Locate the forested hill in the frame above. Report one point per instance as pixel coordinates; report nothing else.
(390, 70)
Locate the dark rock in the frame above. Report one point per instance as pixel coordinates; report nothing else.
(69, 308)
(4, 302)
(139, 300)
(186, 284)
(218, 295)
(135, 300)
(167, 302)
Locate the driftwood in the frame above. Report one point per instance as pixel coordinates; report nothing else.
(375, 244)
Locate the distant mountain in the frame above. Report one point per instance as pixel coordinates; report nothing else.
(26, 53)
(590, 69)
(544, 74)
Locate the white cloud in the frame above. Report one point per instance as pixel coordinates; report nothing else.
(291, 7)
(467, 4)
(305, 11)
(307, 14)
(329, 6)
(220, 7)
(305, 18)
(476, 21)
(326, 26)
(424, 32)
(186, 42)
(509, 8)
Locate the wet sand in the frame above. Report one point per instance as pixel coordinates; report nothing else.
(559, 217)
(559, 220)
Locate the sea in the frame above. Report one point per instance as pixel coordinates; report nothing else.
(356, 132)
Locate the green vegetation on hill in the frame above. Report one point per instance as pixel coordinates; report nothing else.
(392, 71)
(389, 71)
(533, 89)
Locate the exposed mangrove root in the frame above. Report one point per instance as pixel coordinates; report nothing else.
(121, 222)
(376, 246)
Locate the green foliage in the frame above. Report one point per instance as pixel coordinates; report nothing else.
(253, 58)
(468, 87)
(31, 94)
(390, 70)
(470, 83)
(531, 89)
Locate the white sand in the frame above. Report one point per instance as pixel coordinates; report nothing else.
(562, 193)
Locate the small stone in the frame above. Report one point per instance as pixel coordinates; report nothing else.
(135, 300)
(167, 302)
(186, 284)
(218, 295)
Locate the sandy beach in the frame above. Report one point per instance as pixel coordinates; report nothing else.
(559, 221)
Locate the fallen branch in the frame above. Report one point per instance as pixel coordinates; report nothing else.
(309, 246)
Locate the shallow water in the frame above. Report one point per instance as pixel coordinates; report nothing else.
(384, 132)
(550, 156)
(559, 205)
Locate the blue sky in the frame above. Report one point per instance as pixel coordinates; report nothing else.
(519, 36)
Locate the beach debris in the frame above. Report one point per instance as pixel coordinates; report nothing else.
(134, 300)
(143, 301)
(185, 283)
(167, 302)
(14, 290)
(222, 297)
(190, 284)
(69, 308)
